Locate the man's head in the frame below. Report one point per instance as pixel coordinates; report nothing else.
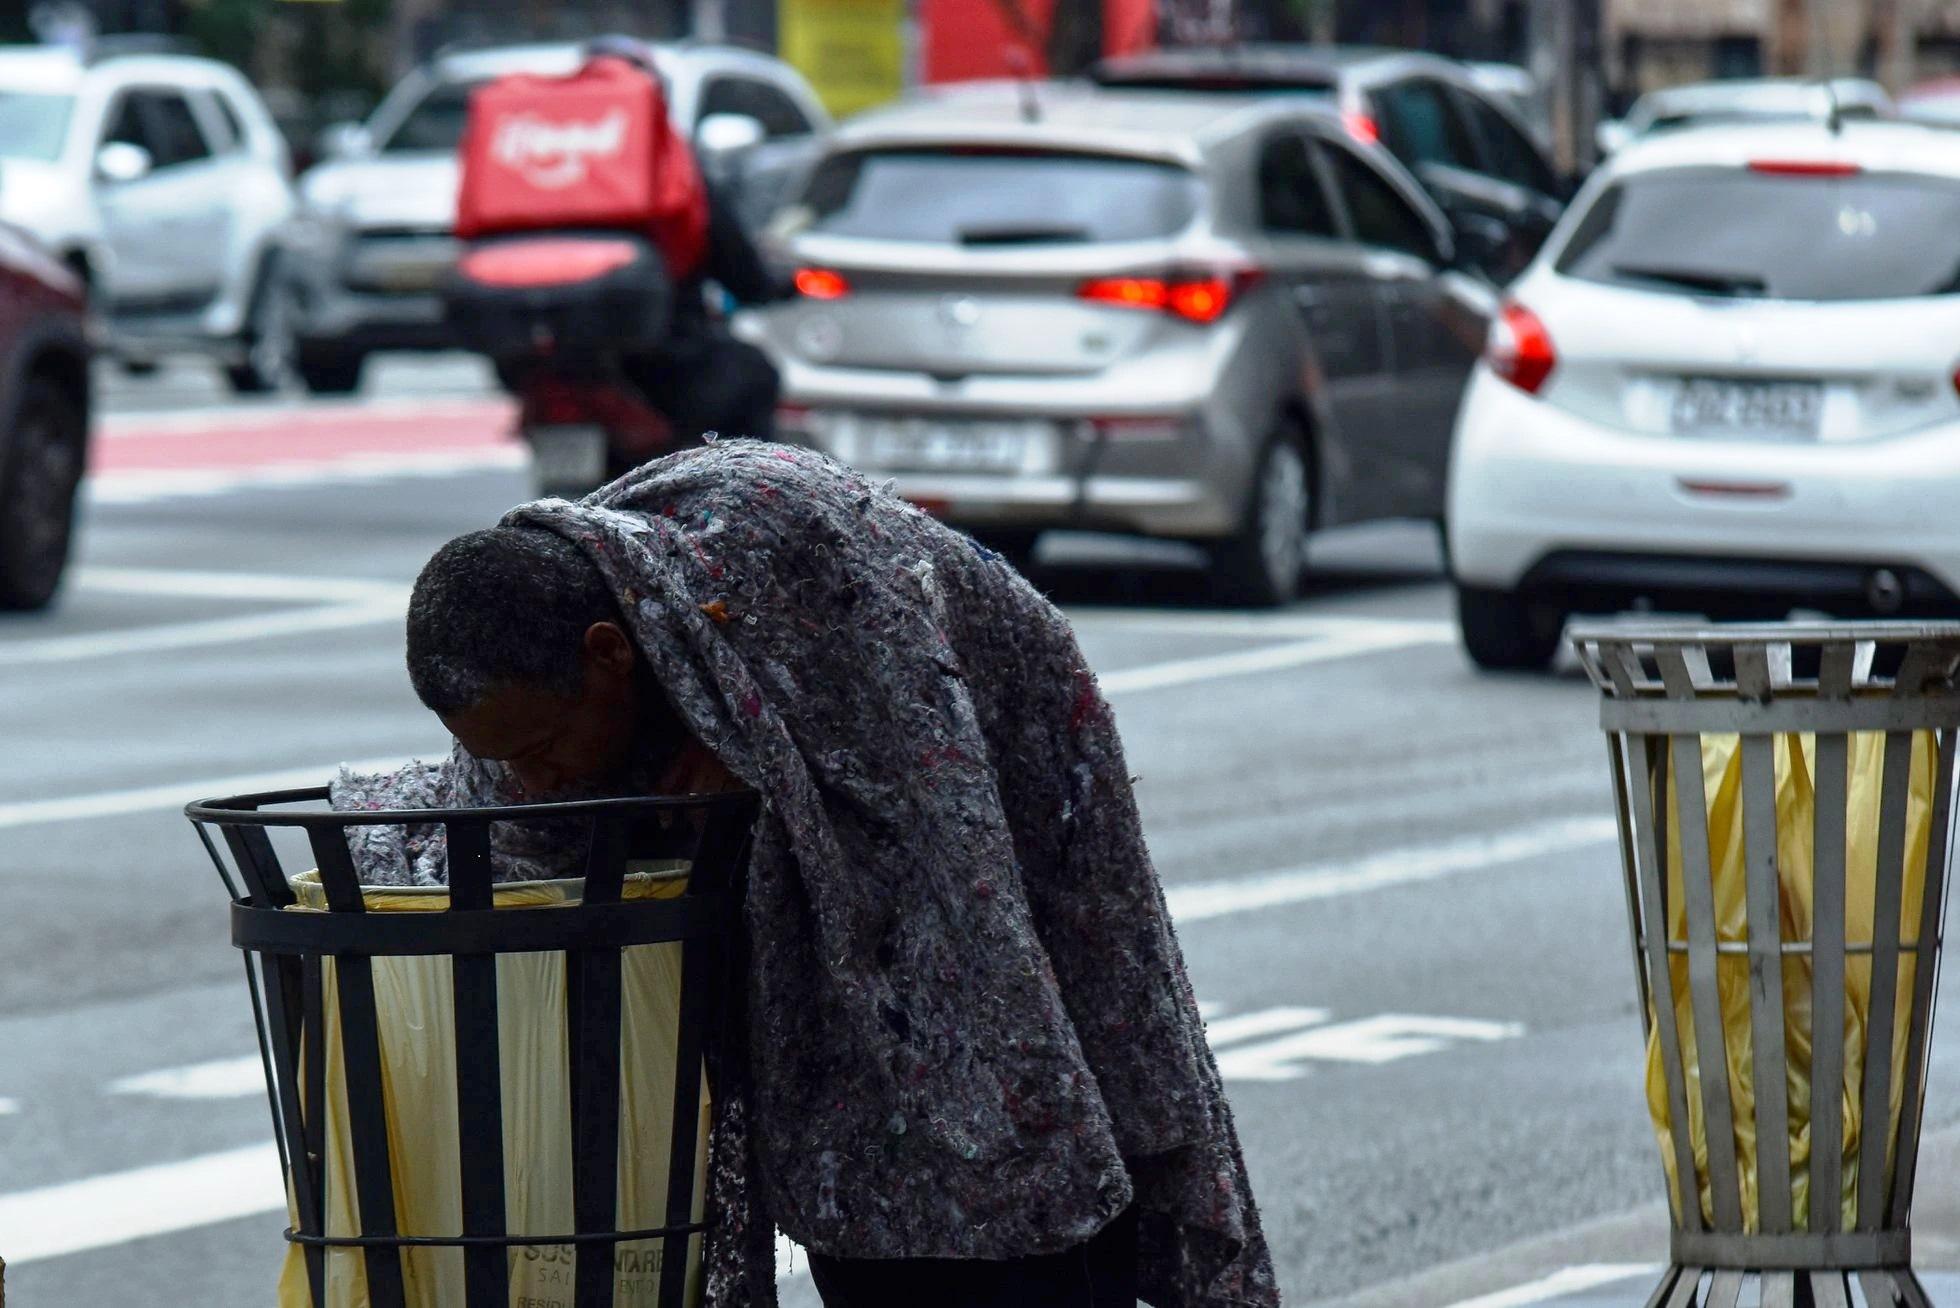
(516, 642)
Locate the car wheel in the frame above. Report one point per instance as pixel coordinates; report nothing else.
(39, 474)
(1261, 565)
(268, 339)
(328, 370)
(1504, 631)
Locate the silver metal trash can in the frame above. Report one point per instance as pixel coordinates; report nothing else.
(1785, 795)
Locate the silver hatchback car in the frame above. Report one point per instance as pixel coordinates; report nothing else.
(1204, 318)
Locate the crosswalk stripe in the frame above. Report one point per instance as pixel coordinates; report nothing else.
(222, 1078)
(114, 1208)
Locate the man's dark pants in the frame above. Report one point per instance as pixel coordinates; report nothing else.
(1099, 1274)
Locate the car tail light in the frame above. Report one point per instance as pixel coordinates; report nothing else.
(1199, 299)
(1361, 125)
(1804, 168)
(821, 284)
(1520, 349)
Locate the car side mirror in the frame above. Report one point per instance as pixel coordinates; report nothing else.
(344, 141)
(121, 162)
(724, 136)
(1612, 136)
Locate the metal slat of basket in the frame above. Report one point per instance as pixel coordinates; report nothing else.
(1663, 686)
(284, 953)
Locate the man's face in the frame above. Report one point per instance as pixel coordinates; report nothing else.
(561, 745)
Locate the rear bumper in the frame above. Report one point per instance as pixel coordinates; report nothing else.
(1543, 500)
(328, 311)
(1182, 469)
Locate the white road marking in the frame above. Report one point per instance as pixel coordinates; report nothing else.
(194, 635)
(117, 1207)
(148, 799)
(1250, 1026)
(1387, 1038)
(1204, 900)
(223, 1078)
(1255, 626)
(194, 583)
(98, 1212)
(8, 1107)
(1570, 1280)
(1368, 638)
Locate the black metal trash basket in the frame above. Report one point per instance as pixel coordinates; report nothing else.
(286, 954)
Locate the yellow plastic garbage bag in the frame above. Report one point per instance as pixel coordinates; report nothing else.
(1721, 757)
(416, 1014)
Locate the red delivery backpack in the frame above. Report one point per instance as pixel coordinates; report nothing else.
(593, 150)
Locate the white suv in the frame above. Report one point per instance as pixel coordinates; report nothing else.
(161, 180)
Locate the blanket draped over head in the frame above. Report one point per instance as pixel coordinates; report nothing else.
(971, 1034)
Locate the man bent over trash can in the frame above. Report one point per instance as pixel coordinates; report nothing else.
(976, 1072)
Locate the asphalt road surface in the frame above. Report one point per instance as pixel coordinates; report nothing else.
(1395, 879)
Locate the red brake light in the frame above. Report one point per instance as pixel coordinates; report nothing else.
(1129, 292)
(1362, 126)
(1520, 349)
(821, 284)
(1199, 299)
(1804, 168)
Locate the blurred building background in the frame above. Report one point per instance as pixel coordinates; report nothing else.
(326, 59)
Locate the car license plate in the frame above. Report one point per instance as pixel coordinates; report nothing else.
(569, 458)
(1709, 406)
(963, 445)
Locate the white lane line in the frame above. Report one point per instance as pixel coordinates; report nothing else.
(98, 1212)
(1273, 658)
(8, 1107)
(118, 1207)
(148, 799)
(192, 635)
(194, 583)
(1256, 625)
(1204, 900)
(1250, 1026)
(1570, 1280)
(222, 1078)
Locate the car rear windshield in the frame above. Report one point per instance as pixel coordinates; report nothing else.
(981, 197)
(435, 124)
(1775, 235)
(33, 125)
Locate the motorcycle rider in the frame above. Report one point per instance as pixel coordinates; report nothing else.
(702, 379)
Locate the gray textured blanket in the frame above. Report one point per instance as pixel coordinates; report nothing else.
(971, 1033)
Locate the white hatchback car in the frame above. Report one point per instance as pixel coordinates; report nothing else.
(161, 181)
(1727, 385)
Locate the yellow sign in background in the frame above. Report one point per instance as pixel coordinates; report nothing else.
(853, 51)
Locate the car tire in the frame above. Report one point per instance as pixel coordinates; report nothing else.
(42, 453)
(268, 338)
(1504, 631)
(328, 370)
(1261, 565)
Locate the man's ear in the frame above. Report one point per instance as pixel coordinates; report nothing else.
(609, 650)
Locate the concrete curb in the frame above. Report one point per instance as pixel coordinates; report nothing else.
(1640, 1236)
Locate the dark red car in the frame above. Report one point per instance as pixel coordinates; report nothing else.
(44, 418)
